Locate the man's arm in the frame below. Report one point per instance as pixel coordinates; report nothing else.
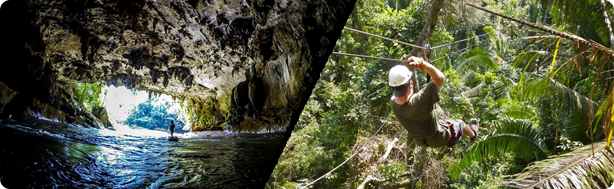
(436, 74)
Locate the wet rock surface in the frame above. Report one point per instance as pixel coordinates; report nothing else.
(102, 115)
(270, 52)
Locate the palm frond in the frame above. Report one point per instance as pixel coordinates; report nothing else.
(473, 92)
(473, 62)
(518, 137)
(527, 57)
(524, 111)
(577, 109)
(469, 77)
(507, 87)
(520, 114)
(540, 86)
(533, 88)
(605, 115)
(585, 18)
(591, 166)
(499, 89)
(473, 59)
(522, 127)
(588, 42)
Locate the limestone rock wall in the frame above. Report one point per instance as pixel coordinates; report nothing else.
(269, 52)
(101, 113)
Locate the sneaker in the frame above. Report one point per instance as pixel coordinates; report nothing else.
(474, 124)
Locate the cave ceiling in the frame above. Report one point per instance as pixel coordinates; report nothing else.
(251, 63)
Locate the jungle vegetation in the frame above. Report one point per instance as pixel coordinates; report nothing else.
(88, 94)
(541, 89)
(154, 116)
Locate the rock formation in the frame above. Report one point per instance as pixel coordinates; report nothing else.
(196, 50)
(101, 113)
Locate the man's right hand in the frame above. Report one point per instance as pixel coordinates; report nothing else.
(414, 62)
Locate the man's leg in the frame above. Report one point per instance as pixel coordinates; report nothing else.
(471, 129)
(467, 131)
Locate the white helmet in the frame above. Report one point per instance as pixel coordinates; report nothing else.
(398, 78)
(399, 75)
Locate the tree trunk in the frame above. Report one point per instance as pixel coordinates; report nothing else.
(425, 34)
(608, 24)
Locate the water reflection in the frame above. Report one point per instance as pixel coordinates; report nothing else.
(48, 155)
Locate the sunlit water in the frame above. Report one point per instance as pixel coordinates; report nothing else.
(40, 154)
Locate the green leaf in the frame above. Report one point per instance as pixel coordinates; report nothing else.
(473, 59)
(517, 137)
(591, 166)
(574, 106)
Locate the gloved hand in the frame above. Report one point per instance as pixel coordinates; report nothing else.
(414, 62)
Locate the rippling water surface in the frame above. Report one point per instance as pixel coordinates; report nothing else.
(39, 154)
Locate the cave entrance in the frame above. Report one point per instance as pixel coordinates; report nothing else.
(136, 112)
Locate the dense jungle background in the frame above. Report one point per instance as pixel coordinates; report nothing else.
(542, 91)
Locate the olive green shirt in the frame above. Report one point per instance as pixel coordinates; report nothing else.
(418, 117)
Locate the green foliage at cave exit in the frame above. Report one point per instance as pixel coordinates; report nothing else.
(88, 94)
(154, 116)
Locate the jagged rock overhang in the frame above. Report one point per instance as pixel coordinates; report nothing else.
(195, 50)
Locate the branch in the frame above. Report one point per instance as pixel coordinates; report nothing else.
(369, 179)
(401, 184)
(608, 23)
(389, 148)
(565, 35)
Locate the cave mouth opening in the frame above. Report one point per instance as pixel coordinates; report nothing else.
(139, 113)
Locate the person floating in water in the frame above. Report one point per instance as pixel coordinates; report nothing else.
(172, 128)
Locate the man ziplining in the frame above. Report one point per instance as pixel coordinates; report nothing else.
(415, 110)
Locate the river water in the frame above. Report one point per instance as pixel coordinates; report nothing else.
(41, 154)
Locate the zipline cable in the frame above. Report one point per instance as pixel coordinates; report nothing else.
(458, 52)
(365, 56)
(397, 60)
(355, 153)
(452, 43)
(381, 37)
(409, 44)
